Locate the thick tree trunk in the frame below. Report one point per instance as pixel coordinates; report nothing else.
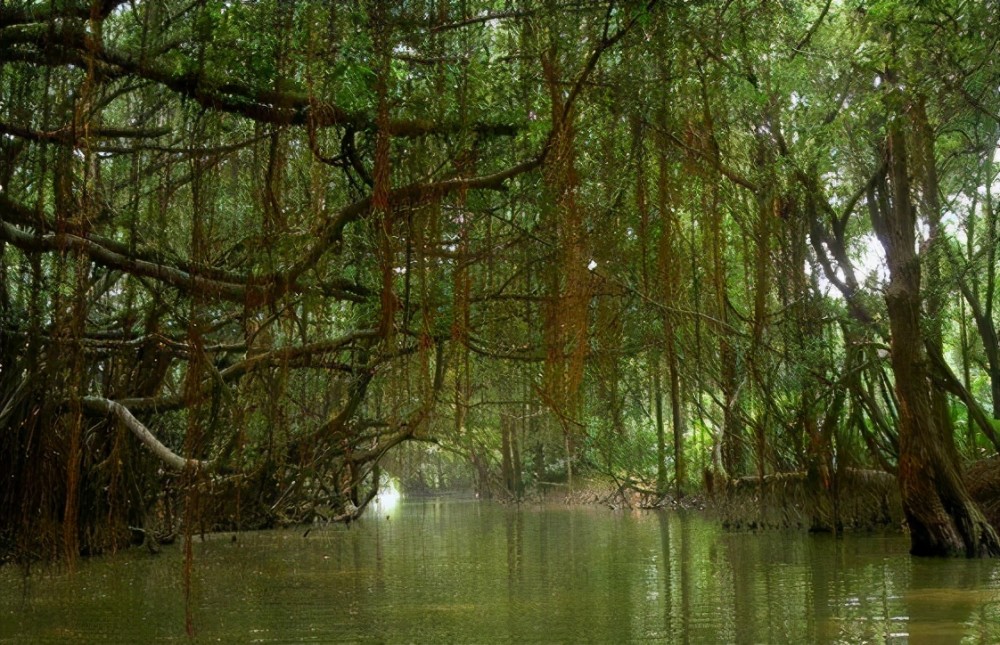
(943, 518)
(934, 303)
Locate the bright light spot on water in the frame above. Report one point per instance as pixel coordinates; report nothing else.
(388, 497)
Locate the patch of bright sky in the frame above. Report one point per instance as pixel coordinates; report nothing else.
(868, 259)
(870, 264)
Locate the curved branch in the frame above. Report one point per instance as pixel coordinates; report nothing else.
(945, 379)
(166, 455)
(412, 194)
(288, 354)
(711, 158)
(301, 356)
(812, 30)
(57, 242)
(69, 136)
(250, 291)
(606, 43)
(71, 45)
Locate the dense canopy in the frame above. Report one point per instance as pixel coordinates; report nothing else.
(256, 257)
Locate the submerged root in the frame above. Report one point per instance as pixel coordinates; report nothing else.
(854, 499)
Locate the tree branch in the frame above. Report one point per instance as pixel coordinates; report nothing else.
(251, 291)
(73, 46)
(107, 407)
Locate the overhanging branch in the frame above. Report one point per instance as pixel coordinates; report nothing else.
(166, 455)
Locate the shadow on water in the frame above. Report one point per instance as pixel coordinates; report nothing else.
(464, 571)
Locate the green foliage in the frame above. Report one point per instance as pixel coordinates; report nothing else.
(204, 184)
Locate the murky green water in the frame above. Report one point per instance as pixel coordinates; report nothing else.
(465, 572)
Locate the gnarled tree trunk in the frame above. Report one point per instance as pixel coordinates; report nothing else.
(942, 516)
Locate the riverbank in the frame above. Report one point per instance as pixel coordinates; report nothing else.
(863, 500)
(616, 495)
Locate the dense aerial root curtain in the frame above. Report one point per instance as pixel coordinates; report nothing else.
(170, 310)
(669, 263)
(567, 309)
(381, 174)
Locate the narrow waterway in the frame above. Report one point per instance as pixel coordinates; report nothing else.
(469, 572)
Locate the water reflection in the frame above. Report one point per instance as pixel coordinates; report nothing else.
(457, 571)
(940, 593)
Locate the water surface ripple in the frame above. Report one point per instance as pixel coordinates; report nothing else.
(469, 572)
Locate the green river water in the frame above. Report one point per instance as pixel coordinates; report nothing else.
(471, 572)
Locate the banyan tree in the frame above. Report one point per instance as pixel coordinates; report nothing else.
(254, 253)
(237, 241)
